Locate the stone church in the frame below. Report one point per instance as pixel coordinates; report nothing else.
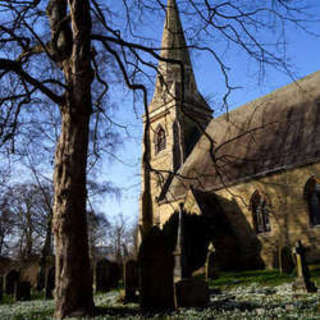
(255, 170)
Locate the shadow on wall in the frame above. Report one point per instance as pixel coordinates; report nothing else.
(236, 243)
(234, 250)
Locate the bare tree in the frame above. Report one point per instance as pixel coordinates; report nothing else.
(121, 238)
(52, 53)
(24, 213)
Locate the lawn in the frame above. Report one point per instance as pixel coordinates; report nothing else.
(247, 295)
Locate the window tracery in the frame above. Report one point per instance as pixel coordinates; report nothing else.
(160, 139)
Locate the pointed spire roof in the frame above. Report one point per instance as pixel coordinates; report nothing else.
(174, 46)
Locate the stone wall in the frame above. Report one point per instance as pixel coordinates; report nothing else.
(289, 213)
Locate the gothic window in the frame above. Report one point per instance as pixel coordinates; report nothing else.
(160, 139)
(260, 213)
(312, 196)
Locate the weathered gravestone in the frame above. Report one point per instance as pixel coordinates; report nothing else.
(131, 280)
(192, 293)
(50, 282)
(302, 282)
(283, 259)
(108, 275)
(22, 291)
(180, 270)
(155, 272)
(210, 263)
(189, 292)
(41, 279)
(10, 279)
(1, 288)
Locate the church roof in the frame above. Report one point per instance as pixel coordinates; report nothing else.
(276, 132)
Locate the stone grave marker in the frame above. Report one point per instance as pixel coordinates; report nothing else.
(108, 275)
(210, 269)
(180, 260)
(131, 280)
(1, 288)
(189, 292)
(50, 282)
(192, 293)
(22, 291)
(302, 282)
(155, 272)
(10, 280)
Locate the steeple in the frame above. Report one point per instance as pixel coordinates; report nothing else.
(173, 44)
(177, 117)
(170, 77)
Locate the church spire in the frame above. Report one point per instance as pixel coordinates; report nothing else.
(173, 44)
(169, 78)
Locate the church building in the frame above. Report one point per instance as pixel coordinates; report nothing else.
(255, 170)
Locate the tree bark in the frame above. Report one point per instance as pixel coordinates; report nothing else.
(73, 293)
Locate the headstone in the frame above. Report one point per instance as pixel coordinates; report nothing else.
(10, 279)
(108, 275)
(188, 292)
(155, 272)
(210, 269)
(131, 280)
(102, 267)
(114, 275)
(1, 288)
(287, 260)
(192, 293)
(180, 260)
(302, 282)
(22, 291)
(50, 282)
(41, 279)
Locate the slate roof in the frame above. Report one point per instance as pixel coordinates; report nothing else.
(278, 131)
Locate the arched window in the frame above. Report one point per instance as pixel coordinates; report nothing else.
(312, 196)
(260, 213)
(160, 139)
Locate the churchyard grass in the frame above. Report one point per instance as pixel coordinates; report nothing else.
(253, 295)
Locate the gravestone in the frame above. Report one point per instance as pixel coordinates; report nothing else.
(180, 270)
(210, 263)
(49, 282)
(108, 275)
(189, 292)
(22, 291)
(10, 279)
(302, 282)
(1, 288)
(131, 280)
(41, 279)
(287, 260)
(114, 275)
(192, 293)
(155, 272)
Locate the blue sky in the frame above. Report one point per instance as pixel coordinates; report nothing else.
(303, 53)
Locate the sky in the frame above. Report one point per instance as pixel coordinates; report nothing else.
(303, 54)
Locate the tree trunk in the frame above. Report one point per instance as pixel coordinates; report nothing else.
(73, 293)
(45, 253)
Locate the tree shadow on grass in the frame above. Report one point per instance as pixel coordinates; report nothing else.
(123, 312)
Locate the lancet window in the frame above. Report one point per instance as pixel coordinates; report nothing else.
(260, 213)
(312, 196)
(160, 139)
